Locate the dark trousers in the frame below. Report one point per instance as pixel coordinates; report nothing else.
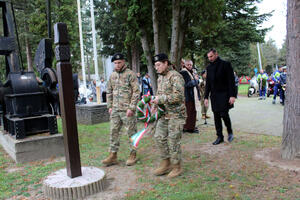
(278, 88)
(191, 116)
(262, 91)
(104, 97)
(218, 116)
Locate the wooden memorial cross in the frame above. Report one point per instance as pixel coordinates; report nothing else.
(66, 99)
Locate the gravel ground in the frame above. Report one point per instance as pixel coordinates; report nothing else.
(254, 116)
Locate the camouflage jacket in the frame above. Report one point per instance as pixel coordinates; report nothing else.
(122, 90)
(170, 93)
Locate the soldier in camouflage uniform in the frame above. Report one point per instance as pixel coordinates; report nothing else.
(122, 97)
(170, 93)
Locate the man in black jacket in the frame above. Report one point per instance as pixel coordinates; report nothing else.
(220, 88)
(191, 93)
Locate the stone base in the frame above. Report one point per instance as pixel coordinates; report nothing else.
(59, 186)
(33, 148)
(92, 113)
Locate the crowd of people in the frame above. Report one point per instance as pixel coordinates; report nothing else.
(179, 93)
(276, 83)
(102, 87)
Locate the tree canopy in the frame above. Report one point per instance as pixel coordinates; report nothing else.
(141, 28)
(31, 26)
(228, 25)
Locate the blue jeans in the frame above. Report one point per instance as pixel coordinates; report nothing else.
(262, 92)
(278, 88)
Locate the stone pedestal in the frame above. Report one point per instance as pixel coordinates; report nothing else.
(59, 186)
(92, 113)
(33, 148)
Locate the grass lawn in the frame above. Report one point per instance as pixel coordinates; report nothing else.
(243, 89)
(227, 171)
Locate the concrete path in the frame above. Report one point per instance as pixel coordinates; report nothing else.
(254, 116)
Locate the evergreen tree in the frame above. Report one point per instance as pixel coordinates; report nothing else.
(270, 54)
(228, 25)
(31, 21)
(282, 55)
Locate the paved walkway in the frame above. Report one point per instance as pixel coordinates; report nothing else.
(255, 116)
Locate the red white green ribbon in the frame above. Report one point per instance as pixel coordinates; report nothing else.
(146, 116)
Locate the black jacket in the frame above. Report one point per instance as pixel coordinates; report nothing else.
(189, 87)
(220, 85)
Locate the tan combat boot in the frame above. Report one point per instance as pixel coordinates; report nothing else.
(132, 159)
(176, 171)
(207, 117)
(111, 159)
(164, 167)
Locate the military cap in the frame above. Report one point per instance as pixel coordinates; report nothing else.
(117, 56)
(159, 57)
(202, 72)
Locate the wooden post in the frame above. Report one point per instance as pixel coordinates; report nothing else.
(66, 99)
(98, 94)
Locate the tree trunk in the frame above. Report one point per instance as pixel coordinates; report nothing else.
(175, 32)
(180, 47)
(182, 31)
(290, 147)
(129, 58)
(135, 57)
(155, 19)
(159, 27)
(163, 35)
(147, 52)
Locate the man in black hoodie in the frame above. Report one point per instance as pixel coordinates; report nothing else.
(220, 86)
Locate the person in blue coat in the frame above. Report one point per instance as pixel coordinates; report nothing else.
(147, 87)
(277, 86)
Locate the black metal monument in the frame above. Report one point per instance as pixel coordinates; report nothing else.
(27, 105)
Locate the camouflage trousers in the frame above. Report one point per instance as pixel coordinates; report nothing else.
(203, 108)
(117, 120)
(168, 135)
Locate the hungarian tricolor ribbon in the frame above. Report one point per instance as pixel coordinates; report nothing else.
(145, 116)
